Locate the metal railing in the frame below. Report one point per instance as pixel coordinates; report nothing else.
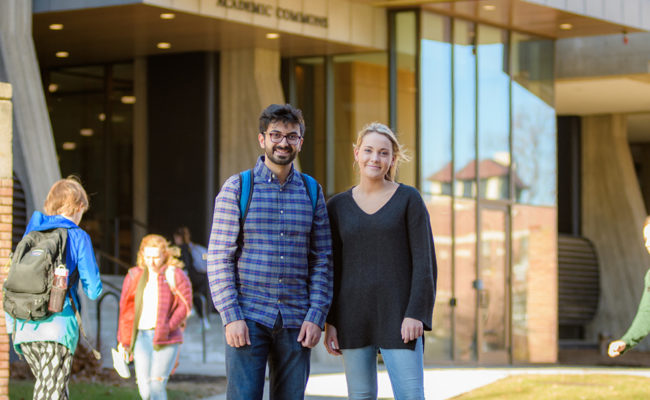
(114, 295)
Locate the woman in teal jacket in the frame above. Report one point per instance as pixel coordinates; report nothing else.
(48, 345)
(640, 327)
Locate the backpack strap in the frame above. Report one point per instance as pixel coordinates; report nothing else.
(312, 189)
(170, 277)
(245, 194)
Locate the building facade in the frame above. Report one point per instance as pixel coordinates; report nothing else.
(154, 103)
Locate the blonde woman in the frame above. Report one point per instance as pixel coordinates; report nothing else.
(640, 327)
(384, 272)
(153, 308)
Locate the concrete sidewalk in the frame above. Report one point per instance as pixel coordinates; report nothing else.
(445, 383)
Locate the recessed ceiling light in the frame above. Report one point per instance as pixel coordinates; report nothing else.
(167, 16)
(489, 7)
(52, 87)
(101, 117)
(128, 99)
(62, 54)
(56, 27)
(86, 132)
(272, 35)
(566, 26)
(164, 45)
(69, 145)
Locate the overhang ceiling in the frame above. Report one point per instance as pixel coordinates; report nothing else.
(627, 94)
(517, 15)
(108, 34)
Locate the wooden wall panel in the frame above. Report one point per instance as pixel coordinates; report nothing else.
(612, 217)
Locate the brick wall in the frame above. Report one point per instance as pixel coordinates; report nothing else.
(6, 200)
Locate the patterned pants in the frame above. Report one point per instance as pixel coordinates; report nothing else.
(51, 364)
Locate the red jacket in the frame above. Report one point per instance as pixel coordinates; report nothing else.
(172, 310)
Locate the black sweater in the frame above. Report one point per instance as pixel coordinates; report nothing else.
(384, 269)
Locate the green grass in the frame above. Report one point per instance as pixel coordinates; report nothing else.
(23, 390)
(552, 387)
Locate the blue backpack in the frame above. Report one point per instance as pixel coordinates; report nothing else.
(246, 192)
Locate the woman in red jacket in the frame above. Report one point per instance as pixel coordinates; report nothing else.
(156, 299)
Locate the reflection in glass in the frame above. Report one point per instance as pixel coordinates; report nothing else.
(406, 124)
(435, 170)
(465, 275)
(533, 282)
(92, 106)
(464, 109)
(533, 119)
(493, 114)
(492, 293)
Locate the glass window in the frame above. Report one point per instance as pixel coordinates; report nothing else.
(360, 97)
(533, 120)
(493, 113)
(406, 62)
(435, 169)
(464, 84)
(91, 109)
(464, 125)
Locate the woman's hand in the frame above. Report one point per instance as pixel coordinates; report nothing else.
(331, 341)
(615, 348)
(411, 329)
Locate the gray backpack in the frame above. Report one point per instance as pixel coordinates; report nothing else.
(29, 282)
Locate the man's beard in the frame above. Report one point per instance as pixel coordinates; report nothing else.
(283, 160)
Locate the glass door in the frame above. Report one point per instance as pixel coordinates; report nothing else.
(493, 295)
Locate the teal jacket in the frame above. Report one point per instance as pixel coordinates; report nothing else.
(61, 327)
(640, 327)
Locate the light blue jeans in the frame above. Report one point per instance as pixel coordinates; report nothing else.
(405, 370)
(152, 367)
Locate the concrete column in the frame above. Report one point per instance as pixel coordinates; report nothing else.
(34, 149)
(6, 200)
(249, 82)
(612, 217)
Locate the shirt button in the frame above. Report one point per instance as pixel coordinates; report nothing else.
(269, 180)
(279, 301)
(281, 211)
(281, 257)
(281, 233)
(280, 280)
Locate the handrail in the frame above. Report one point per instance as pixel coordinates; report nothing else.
(116, 261)
(99, 315)
(204, 310)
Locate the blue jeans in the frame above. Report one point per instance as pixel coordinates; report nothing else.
(288, 364)
(405, 370)
(152, 367)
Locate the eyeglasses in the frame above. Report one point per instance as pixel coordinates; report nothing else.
(292, 138)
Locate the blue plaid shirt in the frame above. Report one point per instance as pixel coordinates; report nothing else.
(285, 262)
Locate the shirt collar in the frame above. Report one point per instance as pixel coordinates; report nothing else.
(263, 172)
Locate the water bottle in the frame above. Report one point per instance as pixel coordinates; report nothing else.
(59, 289)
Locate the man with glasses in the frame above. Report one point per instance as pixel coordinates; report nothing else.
(270, 267)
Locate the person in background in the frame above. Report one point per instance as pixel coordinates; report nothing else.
(155, 302)
(196, 265)
(48, 345)
(270, 275)
(640, 327)
(384, 272)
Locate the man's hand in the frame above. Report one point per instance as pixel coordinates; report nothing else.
(615, 348)
(411, 329)
(331, 341)
(309, 334)
(237, 334)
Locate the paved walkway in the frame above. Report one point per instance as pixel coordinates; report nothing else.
(445, 383)
(202, 354)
